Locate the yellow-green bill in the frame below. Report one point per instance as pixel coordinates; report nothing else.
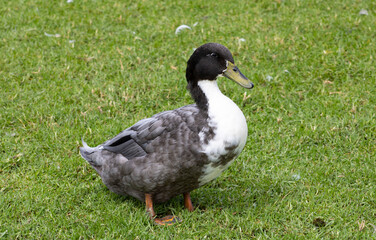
(232, 72)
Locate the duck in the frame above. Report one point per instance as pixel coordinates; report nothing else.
(177, 151)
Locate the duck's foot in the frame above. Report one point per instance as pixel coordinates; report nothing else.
(167, 221)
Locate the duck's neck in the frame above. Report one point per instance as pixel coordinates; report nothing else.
(198, 95)
(219, 107)
(206, 92)
(210, 89)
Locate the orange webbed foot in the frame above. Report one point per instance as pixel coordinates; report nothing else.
(165, 221)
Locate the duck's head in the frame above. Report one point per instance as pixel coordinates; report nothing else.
(213, 60)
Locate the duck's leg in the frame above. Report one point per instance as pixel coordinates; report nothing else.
(187, 202)
(149, 205)
(168, 220)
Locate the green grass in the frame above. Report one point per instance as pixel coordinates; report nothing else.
(307, 171)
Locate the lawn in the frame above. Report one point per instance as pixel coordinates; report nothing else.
(90, 68)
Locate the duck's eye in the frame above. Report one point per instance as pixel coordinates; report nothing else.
(213, 55)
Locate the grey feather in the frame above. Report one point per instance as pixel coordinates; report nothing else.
(125, 145)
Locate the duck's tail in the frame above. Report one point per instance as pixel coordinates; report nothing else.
(89, 154)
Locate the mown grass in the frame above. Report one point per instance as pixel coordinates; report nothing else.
(308, 169)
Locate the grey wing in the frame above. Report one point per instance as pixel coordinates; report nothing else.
(137, 140)
(125, 145)
(125, 142)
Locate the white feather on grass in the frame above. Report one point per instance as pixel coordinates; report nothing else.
(181, 28)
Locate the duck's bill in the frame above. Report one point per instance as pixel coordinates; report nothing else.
(232, 72)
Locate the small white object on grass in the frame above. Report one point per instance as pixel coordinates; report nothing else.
(296, 177)
(69, 1)
(128, 30)
(52, 35)
(363, 12)
(181, 28)
(269, 78)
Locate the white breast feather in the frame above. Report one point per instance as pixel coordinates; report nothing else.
(230, 129)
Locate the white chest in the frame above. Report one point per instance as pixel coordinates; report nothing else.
(230, 131)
